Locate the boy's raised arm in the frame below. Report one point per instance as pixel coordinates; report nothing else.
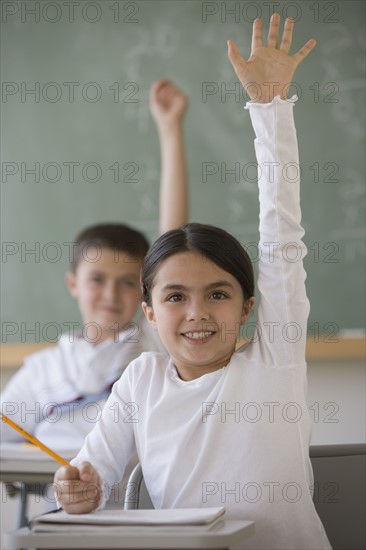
(168, 105)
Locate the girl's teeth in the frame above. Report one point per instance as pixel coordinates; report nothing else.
(198, 335)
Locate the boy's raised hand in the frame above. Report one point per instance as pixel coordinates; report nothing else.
(167, 103)
(78, 490)
(269, 69)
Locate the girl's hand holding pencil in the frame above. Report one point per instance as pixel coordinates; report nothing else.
(78, 490)
(269, 69)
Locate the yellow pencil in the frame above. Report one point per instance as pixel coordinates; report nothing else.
(34, 440)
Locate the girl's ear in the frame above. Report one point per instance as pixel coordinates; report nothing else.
(70, 281)
(149, 314)
(247, 309)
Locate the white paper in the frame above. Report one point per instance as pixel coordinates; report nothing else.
(166, 517)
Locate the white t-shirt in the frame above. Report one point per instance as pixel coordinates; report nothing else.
(59, 393)
(237, 437)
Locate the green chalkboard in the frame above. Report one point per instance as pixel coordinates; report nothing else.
(79, 145)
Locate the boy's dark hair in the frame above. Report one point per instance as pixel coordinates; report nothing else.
(211, 242)
(111, 236)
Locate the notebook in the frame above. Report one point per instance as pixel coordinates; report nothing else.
(192, 518)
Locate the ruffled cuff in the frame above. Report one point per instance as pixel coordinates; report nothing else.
(277, 99)
(273, 121)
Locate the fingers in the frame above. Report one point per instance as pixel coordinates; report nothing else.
(166, 93)
(234, 55)
(78, 489)
(162, 88)
(304, 51)
(287, 38)
(87, 472)
(84, 472)
(156, 88)
(67, 473)
(257, 34)
(163, 92)
(287, 35)
(274, 27)
(158, 85)
(238, 62)
(78, 497)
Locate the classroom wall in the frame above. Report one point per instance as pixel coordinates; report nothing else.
(81, 146)
(337, 401)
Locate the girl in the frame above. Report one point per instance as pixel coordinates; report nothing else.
(211, 425)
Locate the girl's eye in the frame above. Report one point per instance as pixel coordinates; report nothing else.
(218, 295)
(175, 298)
(97, 280)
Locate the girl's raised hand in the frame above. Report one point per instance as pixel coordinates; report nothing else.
(269, 69)
(167, 103)
(78, 490)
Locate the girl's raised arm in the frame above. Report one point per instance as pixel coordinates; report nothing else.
(283, 305)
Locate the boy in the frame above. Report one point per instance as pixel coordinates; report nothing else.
(59, 393)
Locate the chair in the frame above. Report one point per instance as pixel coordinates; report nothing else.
(136, 496)
(339, 493)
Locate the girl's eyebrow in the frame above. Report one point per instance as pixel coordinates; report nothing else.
(216, 284)
(219, 284)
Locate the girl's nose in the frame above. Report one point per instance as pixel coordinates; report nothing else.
(198, 311)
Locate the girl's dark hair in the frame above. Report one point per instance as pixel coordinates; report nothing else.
(111, 236)
(211, 242)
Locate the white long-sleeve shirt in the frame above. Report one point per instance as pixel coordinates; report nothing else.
(239, 436)
(59, 393)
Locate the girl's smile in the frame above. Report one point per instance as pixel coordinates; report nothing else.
(198, 338)
(197, 312)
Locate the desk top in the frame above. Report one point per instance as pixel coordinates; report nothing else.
(223, 535)
(27, 463)
(31, 472)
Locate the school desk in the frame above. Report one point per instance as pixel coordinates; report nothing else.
(222, 536)
(26, 471)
